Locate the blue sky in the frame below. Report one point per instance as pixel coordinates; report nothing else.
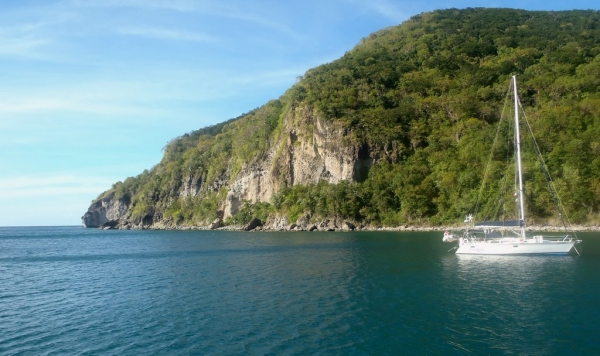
(92, 90)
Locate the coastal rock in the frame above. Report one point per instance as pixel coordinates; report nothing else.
(105, 210)
(217, 223)
(347, 226)
(252, 224)
(304, 221)
(327, 225)
(277, 222)
(111, 224)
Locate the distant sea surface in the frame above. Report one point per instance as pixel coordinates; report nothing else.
(75, 291)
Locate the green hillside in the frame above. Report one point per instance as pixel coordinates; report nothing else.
(422, 100)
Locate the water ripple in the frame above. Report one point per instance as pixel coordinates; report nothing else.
(73, 291)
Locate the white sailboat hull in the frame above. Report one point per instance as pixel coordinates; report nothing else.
(515, 247)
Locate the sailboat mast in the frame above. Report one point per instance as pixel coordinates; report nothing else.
(518, 148)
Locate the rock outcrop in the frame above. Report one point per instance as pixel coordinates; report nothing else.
(106, 212)
(309, 150)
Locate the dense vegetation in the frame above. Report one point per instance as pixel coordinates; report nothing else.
(426, 97)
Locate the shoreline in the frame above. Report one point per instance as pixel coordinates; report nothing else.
(535, 228)
(305, 223)
(348, 228)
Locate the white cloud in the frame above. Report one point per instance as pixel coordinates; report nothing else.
(161, 91)
(34, 34)
(21, 28)
(166, 34)
(230, 9)
(238, 15)
(58, 185)
(74, 104)
(22, 40)
(178, 5)
(99, 97)
(386, 8)
(21, 46)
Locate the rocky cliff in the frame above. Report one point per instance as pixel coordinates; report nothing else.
(309, 149)
(106, 212)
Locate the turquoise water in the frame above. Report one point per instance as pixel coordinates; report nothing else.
(68, 290)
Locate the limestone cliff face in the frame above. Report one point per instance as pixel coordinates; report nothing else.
(105, 212)
(308, 149)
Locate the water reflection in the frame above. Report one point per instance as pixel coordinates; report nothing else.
(508, 303)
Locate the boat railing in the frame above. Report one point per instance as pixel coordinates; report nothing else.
(517, 239)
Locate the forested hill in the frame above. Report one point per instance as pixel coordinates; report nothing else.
(397, 131)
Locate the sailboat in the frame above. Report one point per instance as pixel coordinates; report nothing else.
(509, 237)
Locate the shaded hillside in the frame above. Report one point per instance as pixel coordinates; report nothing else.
(396, 131)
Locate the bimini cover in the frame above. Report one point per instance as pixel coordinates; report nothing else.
(507, 223)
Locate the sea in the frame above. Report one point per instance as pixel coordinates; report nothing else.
(77, 291)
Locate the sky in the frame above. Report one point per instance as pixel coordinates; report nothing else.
(92, 90)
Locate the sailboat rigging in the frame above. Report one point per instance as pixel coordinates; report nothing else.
(509, 237)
